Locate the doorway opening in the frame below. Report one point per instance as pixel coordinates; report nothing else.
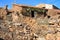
(32, 13)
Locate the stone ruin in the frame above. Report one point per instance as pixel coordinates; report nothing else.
(23, 22)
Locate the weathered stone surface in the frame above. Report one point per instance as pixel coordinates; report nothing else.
(41, 38)
(50, 37)
(58, 36)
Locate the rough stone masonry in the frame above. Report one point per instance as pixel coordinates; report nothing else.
(23, 22)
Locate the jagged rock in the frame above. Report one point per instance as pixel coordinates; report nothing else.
(50, 37)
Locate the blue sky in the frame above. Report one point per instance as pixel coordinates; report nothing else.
(29, 2)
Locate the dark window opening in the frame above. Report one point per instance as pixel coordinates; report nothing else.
(58, 13)
(32, 13)
(8, 13)
(1, 39)
(51, 24)
(48, 16)
(44, 12)
(59, 17)
(43, 7)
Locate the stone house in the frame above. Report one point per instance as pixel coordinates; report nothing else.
(35, 11)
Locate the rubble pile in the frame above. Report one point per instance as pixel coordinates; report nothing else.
(16, 26)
